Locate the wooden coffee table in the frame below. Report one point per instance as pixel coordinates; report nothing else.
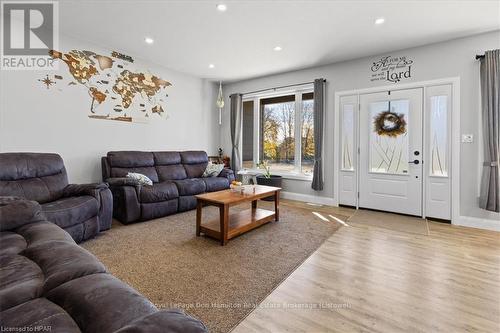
(228, 226)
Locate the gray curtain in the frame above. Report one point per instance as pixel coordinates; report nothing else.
(490, 102)
(319, 106)
(236, 122)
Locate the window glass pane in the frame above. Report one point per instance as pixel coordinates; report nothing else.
(348, 137)
(307, 131)
(248, 131)
(277, 128)
(389, 137)
(439, 133)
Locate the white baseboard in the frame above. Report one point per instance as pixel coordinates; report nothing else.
(476, 222)
(308, 198)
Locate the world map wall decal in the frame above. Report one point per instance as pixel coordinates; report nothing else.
(116, 90)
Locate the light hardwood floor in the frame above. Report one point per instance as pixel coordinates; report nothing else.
(371, 279)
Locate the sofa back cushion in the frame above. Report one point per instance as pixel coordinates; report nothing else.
(35, 176)
(195, 163)
(168, 165)
(122, 162)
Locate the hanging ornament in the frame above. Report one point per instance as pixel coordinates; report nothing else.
(220, 102)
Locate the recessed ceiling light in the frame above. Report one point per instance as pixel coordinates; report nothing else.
(149, 40)
(211, 66)
(221, 7)
(278, 48)
(380, 20)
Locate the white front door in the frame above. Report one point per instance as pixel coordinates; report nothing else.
(390, 155)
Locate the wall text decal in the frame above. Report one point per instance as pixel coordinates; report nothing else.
(391, 69)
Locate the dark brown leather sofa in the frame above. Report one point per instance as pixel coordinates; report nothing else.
(177, 178)
(50, 284)
(81, 210)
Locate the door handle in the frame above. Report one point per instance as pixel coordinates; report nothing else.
(414, 162)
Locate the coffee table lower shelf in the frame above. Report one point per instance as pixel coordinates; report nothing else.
(239, 223)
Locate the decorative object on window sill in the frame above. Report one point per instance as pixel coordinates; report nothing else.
(227, 161)
(220, 102)
(268, 179)
(389, 123)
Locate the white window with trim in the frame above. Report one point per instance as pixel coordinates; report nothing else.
(279, 128)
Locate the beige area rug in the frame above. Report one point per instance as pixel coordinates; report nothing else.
(394, 222)
(165, 261)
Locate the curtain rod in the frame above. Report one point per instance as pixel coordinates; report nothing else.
(479, 56)
(281, 87)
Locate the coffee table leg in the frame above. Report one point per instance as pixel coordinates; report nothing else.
(277, 206)
(254, 205)
(199, 207)
(224, 223)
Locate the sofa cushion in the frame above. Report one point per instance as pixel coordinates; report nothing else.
(11, 243)
(171, 172)
(34, 176)
(38, 315)
(66, 212)
(195, 163)
(167, 157)
(42, 232)
(62, 262)
(216, 183)
(130, 159)
(194, 157)
(195, 170)
(172, 321)
(16, 166)
(158, 192)
(101, 303)
(20, 280)
(190, 186)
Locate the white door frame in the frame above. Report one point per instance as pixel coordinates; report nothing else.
(455, 135)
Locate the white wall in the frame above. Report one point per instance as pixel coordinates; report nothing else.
(36, 119)
(454, 58)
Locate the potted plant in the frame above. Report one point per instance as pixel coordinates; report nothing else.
(266, 178)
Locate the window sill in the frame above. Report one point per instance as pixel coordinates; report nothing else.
(285, 175)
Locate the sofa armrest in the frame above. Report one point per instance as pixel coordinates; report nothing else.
(227, 173)
(75, 190)
(101, 192)
(172, 321)
(123, 181)
(126, 206)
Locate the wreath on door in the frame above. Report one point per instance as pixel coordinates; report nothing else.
(389, 123)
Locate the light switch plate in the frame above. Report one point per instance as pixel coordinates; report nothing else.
(467, 138)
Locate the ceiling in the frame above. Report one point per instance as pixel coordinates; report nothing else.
(190, 35)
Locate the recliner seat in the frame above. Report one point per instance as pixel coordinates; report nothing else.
(82, 210)
(177, 178)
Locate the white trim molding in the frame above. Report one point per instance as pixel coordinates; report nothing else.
(476, 222)
(308, 198)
